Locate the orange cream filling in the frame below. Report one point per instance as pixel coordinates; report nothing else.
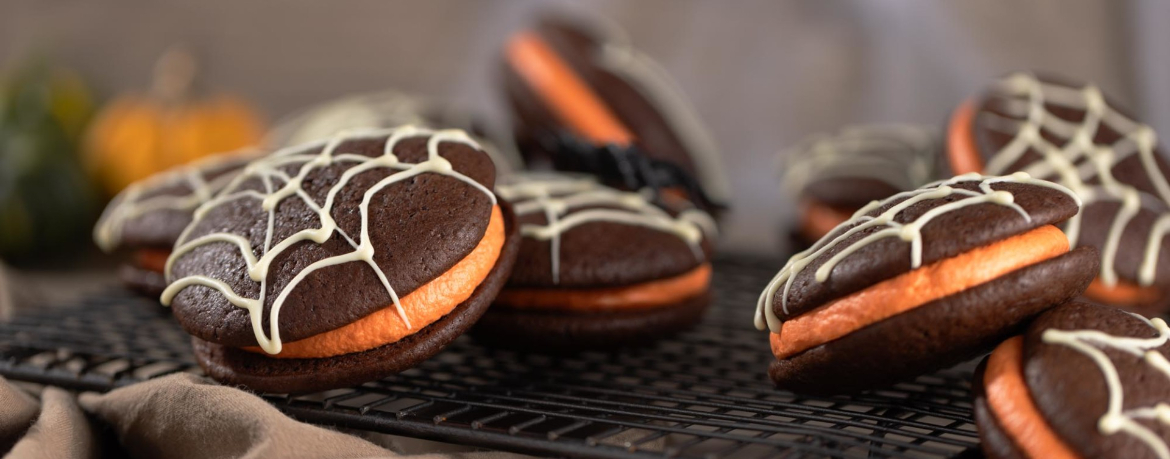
(152, 259)
(1123, 293)
(1013, 408)
(570, 98)
(961, 151)
(423, 306)
(644, 295)
(916, 288)
(818, 219)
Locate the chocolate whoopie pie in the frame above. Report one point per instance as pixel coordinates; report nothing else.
(567, 79)
(834, 175)
(922, 280)
(1084, 381)
(343, 261)
(1073, 135)
(147, 217)
(598, 267)
(385, 109)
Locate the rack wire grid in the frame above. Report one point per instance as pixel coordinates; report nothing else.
(701, 394)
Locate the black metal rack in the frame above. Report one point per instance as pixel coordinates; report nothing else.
(702, 394)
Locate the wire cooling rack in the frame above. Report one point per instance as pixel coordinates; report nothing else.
(702, 394)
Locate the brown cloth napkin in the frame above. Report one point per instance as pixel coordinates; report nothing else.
(53, 428)
(181, 416)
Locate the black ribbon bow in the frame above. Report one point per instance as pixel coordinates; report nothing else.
(625, 167)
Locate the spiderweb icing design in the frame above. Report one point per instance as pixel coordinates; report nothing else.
(901, 156)
(1091, 344)
(271, 172)
(200, 180)
(569, 201)
(1085, 161)
(910, 232)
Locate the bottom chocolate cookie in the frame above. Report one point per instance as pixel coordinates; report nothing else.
(567, 332)
(937, 334)
(142, 281)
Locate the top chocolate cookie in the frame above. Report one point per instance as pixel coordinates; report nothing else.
(1101, 377)
(1073, 135)
(315, 237)
(153, 212)
(908, 230)
(579, 233)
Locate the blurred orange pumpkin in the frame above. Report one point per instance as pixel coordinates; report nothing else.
(137, 135)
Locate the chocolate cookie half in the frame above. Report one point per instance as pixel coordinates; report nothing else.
(834, 175)
(147, 217)
(1073, 135)
(342, 261)
(921, 280)
(565, 79)
(598, 267)
(1084, 381)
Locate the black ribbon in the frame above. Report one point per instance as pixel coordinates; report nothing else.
(624, 167)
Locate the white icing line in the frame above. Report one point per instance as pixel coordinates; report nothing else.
(271, 198)
(911, 232)
(129, 204)
(1116, 419)
(556, 196)
(1028, 97)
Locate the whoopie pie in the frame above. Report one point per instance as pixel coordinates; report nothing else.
(147, 217)
(342, 261)
(389, 108)
(835, 174)
(564, 78)
(1085, 380)
(598, 267)
(1074, 135)
(922, 280)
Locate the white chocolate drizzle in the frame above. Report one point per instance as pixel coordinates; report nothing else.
(136, 200)
(901, 156)
(1116, 418)
(910, 232)
(1082, 159)
(556, 196)
(268, 170)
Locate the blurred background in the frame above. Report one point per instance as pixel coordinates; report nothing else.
(762, 74)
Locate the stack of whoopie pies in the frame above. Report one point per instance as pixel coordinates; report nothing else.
(351, 253)
(920, 279)
(356, 250)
